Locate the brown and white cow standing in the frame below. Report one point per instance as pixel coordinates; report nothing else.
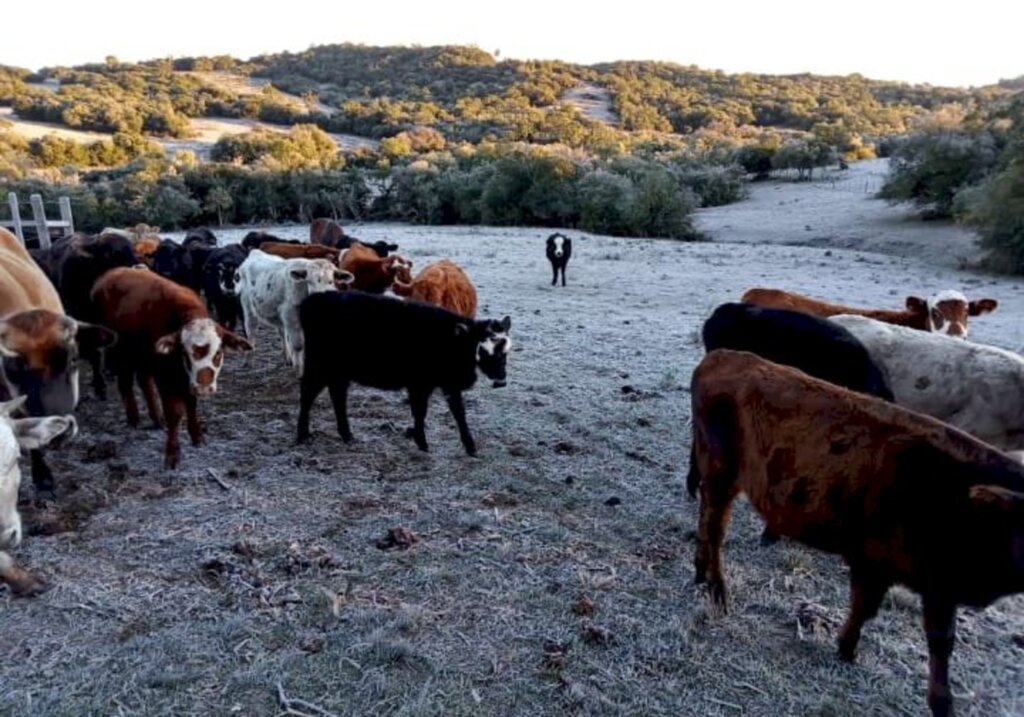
(903, 498)
(167, 341)
(945, 312)
(39, 344)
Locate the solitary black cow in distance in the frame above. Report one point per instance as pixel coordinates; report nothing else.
(380, 342)
(559, 251)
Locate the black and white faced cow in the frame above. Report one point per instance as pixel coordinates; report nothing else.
(559, 250)
(219, 283)
(392, 345)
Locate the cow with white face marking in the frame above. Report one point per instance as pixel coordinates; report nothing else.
(219, 286)
(559, 249)
(948, 311)
(271, 289)
(169, 343)
(394, 345)
(15, 434)
(943, 313)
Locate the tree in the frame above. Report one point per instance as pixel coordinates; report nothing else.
(218, 202)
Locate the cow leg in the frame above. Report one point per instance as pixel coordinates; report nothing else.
(42, 477)
(149, 394)
(554, 275)
(867, 590)
(563, 276)
(940, 628)
(195, 429)
(174, 411)
(339, 398)
(99, 384)
(419, 399)
(458, 410)
(311, 385)
(126, 387)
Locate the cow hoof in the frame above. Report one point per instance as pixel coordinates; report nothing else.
(847, 653)
(155, 426)
(410, 433)
(768, 538)
(43, 481)
(471, 451)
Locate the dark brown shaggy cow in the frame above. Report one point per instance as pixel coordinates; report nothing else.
(327, 232)
(945, 312)
(443, 284)
(901, 497)
(167, 341)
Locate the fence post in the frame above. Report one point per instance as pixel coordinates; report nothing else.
(65, 215)
(12, 202)
(39, 214)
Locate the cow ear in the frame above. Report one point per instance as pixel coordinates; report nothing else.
(982, 306)
(35, 433)
(7, 408)
(917, 305)
(996, 498)
(506, 323)
(5, 349)
(95, 337)
(167, 344)
(232, 341)
(298, 274)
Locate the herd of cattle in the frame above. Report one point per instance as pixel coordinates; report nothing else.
(162, 315)
(881, 435)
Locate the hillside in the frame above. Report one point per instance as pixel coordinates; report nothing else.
(466, 94)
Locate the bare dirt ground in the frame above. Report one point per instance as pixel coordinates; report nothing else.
(551, 575)
(594, 102)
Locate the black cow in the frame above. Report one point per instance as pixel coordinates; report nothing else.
(395, 345)
(74, 264)
(559, 249)
(202, 236)
(330, 233)
(816, 346)
(253, 239)
(382, 248)
(219, 283)
(173, 261)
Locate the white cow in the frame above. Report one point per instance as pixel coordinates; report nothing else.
(271, 289)
(974, 387)
(30, 434)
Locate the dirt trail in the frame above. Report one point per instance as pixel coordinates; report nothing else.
(593, 101)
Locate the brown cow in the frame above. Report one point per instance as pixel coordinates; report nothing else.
(945, 312)
(327, 232)
(901, 497)
(300, 251)
(443, 284)
(169, 342)
(39, 344)
(374, 274)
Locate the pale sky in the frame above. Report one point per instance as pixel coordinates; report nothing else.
(943, 43)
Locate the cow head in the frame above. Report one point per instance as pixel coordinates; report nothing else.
(30, 434)
(39, 358)
(228, 278)
(400, 268)
(493, 345)
(202, 343)
(383, 248)
(311, 276)
(947, 312)
(558, 245)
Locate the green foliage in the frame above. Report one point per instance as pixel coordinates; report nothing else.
(303, 147)
(803, 156)
(929, 168)
(996, 210)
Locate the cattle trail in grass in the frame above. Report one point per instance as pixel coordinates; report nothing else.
(551, 573)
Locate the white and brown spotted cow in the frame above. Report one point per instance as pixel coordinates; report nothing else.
(271, 289)
(945, 312)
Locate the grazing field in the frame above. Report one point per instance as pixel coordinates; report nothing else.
(550, 575)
